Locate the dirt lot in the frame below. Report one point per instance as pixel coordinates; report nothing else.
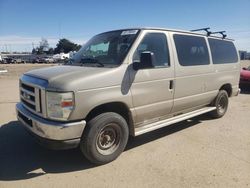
(200, 152)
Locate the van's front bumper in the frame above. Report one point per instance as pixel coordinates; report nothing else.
(51, 134)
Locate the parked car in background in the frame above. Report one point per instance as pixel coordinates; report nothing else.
(245, 77)
(12, 60)
(8, 60)
(49, 60)
(18, 61)
(46, 59)
(37, 60)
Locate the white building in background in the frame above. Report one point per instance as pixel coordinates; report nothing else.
(61, 56)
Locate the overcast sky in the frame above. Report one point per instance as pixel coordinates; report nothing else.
(24, 22)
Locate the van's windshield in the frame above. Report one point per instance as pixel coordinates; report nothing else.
(105, 50)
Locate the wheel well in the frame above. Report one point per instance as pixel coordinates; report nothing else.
(227, 88)
(117, 107)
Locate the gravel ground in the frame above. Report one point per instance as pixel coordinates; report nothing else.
(200, 152)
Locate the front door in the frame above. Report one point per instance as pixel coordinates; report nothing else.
(152, 89)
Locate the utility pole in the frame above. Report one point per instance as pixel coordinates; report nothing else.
(6, 48)
(10, 48)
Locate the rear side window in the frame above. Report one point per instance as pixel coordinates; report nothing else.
(191, 50)
(223, 51)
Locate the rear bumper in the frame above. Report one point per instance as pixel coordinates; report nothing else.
(51, 134)
(236, 91)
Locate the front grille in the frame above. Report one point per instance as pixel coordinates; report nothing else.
(33, 107)
(27, 87)
(30, 97)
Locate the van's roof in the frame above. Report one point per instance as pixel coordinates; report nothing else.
(173, 30)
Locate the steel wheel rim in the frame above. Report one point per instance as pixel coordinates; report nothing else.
(108, 139)
(222, 104)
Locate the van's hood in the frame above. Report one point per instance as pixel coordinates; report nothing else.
(76, 78)
(57, 72)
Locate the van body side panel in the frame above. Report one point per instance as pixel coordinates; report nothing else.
(226, 74)
(193, 90)
(152, 98)
(192, 84)
(151, 93)
(226, 64)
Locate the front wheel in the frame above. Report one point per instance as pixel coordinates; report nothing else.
(221, 104)
(105, 138)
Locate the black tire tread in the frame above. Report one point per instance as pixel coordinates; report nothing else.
(86, 144)
(215, 113)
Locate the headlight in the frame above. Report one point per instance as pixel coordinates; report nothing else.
(59, 105)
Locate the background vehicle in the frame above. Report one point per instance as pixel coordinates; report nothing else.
(245, 77)
(8, 60)
(38, 60)
(128, 82)
(61, 56)
(18, 61)
(48, 59)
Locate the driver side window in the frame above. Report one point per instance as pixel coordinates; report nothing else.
(156, 43)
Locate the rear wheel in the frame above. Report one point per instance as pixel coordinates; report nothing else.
(105, 138)
(221, 104)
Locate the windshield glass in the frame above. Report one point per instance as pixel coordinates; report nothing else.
(106, 49)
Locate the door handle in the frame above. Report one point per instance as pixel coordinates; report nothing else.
(171, 84)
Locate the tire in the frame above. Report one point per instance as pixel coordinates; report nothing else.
(105, 138)
(221, 104)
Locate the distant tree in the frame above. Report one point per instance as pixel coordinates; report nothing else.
(43, 48)
(50, 51)
(39, 50)
(34, 51)
(65, 45)
(44, 45)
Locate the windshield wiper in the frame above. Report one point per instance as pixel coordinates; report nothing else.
(91, 61)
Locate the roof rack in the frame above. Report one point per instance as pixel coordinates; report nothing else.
(210, 32)
(220, 32)
(203, 29)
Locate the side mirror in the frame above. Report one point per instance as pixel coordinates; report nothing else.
(244, 68)
(146, 61)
